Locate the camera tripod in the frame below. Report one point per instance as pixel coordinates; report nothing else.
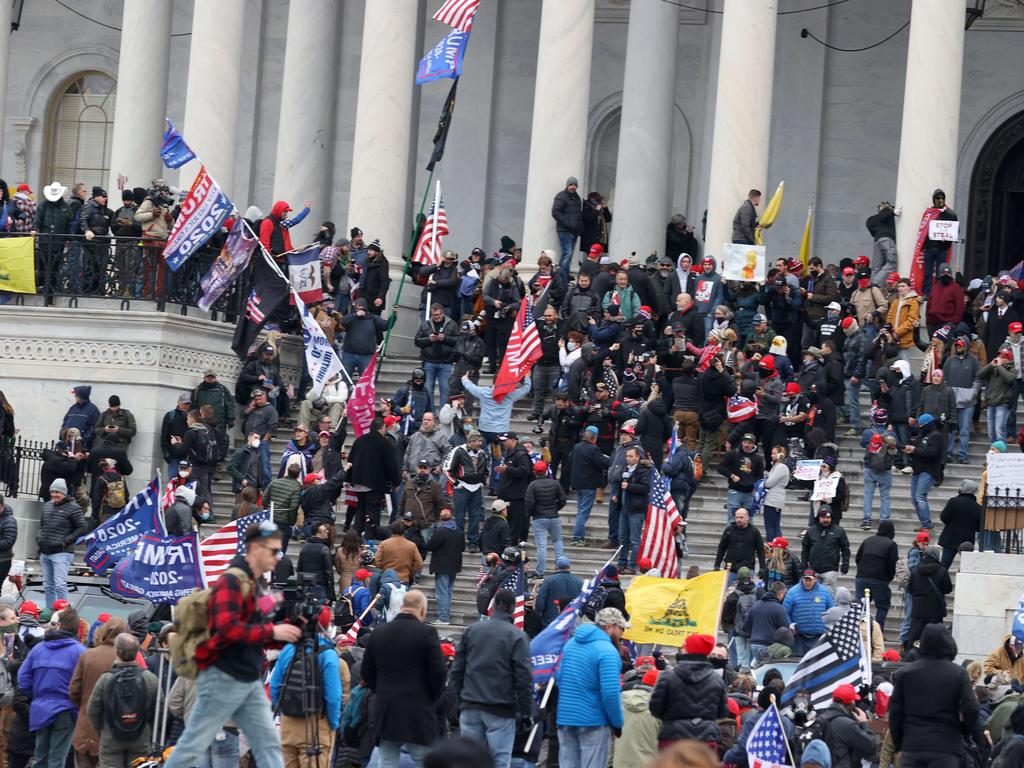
(309, 650)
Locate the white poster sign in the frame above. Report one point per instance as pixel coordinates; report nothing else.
(746, 263)
(825, 488)
(807, 469)
(943, 230)
(1006, 472)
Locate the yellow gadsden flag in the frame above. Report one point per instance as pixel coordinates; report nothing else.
(771, 213)
(17, 265)
(805, 241)
(667, 611)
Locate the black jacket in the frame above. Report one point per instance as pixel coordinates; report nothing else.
(404, 668)
(60, 526)
(688, 699)
(462, 466)
(517, 474)
(8, 533)
(877, 555)
(317, 501)
(714, 388)
(847, 740)
(748, 467)
(826, 549)
(739, 547)
(437, 351)
(564, 425)
(492, 669)
(376, 282)
(962, 520)
(929, 453)
(315, 558)
(589, 467)
(374, 463)
(446, 283)
(655, 428)
(495, 535)
(933, 704)
(56, 464)
(567, 211)
(544, 498)
(447, 545)
(638, 489)
(929, 584)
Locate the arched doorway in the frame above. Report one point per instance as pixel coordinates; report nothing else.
(994, 238)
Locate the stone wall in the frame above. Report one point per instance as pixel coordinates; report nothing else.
(988, 589)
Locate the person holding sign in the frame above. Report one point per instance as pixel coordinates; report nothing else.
(935, 252)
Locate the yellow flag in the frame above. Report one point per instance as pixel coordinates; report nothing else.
(805, 241)
(771, 213)
(17, 264)
(667, 611)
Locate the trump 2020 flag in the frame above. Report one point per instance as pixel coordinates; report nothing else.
(174, 151)
(202, 214)
(229, 264)
(444, 59)
(321, 360)
(161, 569)
(112, 540)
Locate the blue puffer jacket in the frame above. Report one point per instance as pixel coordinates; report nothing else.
(328, 659)
(806, 608)
(45, 676)
(588, 680)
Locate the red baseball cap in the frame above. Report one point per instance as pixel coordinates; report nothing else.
(923, 537)
(629, 429)
(540, 467)
(644, 563)
(849, 270)
(60, 605)
(29, 607)
(361, 574)
(780, 542)
(845, 694)
(597, 248)
(643, 661)
(1016, 327)
(893, 277)
(793, 388)
(391, 420)
(768, 363)
(891, 655)
(103, 618)
(862, 261)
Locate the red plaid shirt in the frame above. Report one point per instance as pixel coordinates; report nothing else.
(233, 619)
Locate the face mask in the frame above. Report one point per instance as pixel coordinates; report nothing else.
(718, 663)
(863, 284)
(572, 345)
(255, 443)
(184, 473)
(946, 279)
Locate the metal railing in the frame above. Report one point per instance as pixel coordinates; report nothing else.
(21, 464)
(125, 269)
(1003, 512)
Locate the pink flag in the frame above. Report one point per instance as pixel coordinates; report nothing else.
(360, 404)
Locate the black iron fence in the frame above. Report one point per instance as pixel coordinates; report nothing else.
(1004, 513)
(21, 462)
(126, 269)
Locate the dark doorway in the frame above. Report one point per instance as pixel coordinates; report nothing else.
(995, 238)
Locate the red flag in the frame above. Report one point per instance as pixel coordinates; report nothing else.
(457, 13)
(522, 352)
(360, 404)
(917, 263)
(658, 541)
(428, 247)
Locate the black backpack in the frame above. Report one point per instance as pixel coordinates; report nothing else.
(294, 689)
(744, 605)
(816, 729)
(344, 613)
(207, 447)
(595, 602)
(127, 704)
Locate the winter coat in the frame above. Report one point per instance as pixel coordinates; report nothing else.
(1001, 383)
(932, 704)
(516, 475)
(463, 467)
(1001, 661)
(866, 302)
(495, 535)
(179, 518)
(595, 226)
(902, 316)
(821, 291)
(689, 699)
(940, 401)
(330, 673)
(744, 222)
(544, 498)
(362, 334)
(556, 592)
(318, 500)
(492, 669)
(960, 374)
(775, 485)
(90, 667)
(375, 283)
(748, 467)
(929, 584)
(246, 464)
(567, 211)
(766, 616)
(848, 741)
(60, 526)
(315, 558)
(400, 555)
(153, 219)
(715, 387)
(404, 668)
(8, 533)
(430, 446)
(946, 304)
(82, 416)
(806, 607)
(95, 218)
(104, 691)
(826, 549)
(589, 467)
(588, 680)
(423, 500)
(437, 351)
(877, 555)
(929, 452)
(219, 397)
(46, 676)
(283, 495)
(53, 218)
(740, 547)
(374, 463)
(446, 283)
(446, 546)
(961, 520)
(638, 745)
(123, 420)
(655, 428)
(262, 420)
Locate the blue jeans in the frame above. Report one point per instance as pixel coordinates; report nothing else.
(473, 503)
(883, 482)
(736, 499)
(220, 697)
(567, 244)
(997, 416)
(583, 747)
(55, 575)
(54, 741)
(908, 604)
(223, 753)
(443, 592)
(585, 499)
(757, 651)
(772, 522)
(743, 654)
(853, 403)
(614, 507)
(630, 528)
(496, 733)
(881, 596)
(390, 754)
(439, 372)
(964, 417)
(804, 643)
(355, 365)
(542, 528)
(920, 484)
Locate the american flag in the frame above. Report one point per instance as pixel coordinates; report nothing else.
(837, 658)
(522, 352)
(360, 404)
(252, 307)
(428, 248)
(457, 14)
(766, 746)
(167, 499)
(349, 495)
(1017, 271)
(516, 581)
(658, 541)
(220, 548)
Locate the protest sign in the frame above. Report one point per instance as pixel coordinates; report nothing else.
(745, 263)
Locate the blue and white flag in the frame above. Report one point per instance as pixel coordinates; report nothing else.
(321, 360)
(444, 59)
(161, 569)
(1018, 621)
(111, 541)
(174, 151)
(205, 209)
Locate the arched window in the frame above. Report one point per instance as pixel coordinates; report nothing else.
(81, 130)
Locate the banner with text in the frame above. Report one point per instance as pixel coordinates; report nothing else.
(162, 569)
(204, 211)
(321, 360)
(113, 539)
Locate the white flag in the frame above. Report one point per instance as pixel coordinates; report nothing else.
(321, 360)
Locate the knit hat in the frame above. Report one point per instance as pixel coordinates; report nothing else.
(968, 486)
(942, 334)
(743, 574)
(98, 192)
(793, 388)
(999, 445)
(830, 462)
(59, 486)
(784, 636)
(186, 494)
(880, 417)
(572, 181)
(701, 645)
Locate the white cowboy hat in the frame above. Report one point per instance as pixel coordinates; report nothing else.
(54, 192)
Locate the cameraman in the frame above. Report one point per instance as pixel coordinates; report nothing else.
(229, 684)
(287, 689)
(154, 214)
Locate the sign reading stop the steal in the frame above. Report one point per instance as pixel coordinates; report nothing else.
(943, 230)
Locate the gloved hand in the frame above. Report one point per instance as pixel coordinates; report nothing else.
(526, 723)
(617, 732)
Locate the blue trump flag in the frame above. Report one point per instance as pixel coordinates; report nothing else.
(444, 59)
(174, 151)
(112, 540)
(161, 569)
(1018, 620)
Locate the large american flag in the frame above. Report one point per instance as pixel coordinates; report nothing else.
(360, 404)
(766, 746)
(658, 541)
(219, 549)
(428, 248)
(457, 13)
(522, 352)
(837, 658)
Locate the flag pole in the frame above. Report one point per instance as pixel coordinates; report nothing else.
(782, 725)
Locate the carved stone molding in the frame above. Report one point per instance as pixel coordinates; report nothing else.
(617, 12)
(1001, 16)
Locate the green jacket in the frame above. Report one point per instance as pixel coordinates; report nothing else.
(220, 398)
(1001, 379)
(103, 691)
(283, 493)
(1000, 717)
(124, 420)
(639, 742)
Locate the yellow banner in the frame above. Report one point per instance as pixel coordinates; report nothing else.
(17, 264)
(667, 611)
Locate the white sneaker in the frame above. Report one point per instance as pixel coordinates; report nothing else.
(907, 470)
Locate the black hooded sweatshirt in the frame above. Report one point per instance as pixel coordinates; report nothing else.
(877, 555)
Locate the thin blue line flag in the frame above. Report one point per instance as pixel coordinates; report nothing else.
(174, 151)
(444, 59)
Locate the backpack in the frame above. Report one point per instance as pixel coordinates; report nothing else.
(744, 604)
(902, 576)
(296, 688)
(817, 729)
(393, 603)
(207, 447)
(595, 602)
(116, 495)
(193, 619)
(344, 612)
(698, 468)
(127, 703)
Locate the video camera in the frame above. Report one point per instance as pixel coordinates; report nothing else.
(300, 604)
(161, 196)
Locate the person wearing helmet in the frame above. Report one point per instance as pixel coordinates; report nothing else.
(412, 401)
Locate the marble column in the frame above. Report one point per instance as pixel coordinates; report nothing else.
(5, 50)
(931, 116)
(211, 99)
(142, 70)
(307, 113)
(642, 191)
(743, 114)
(383, 131)
(561, 103)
